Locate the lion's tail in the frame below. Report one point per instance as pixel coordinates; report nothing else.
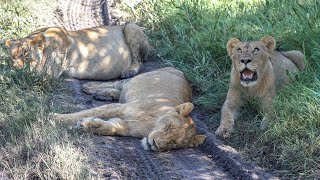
(137, 41)
(296, 57)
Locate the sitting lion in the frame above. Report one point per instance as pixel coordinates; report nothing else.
(99, 53)
(154, 106)
(257, 71)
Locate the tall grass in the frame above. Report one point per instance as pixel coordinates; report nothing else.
(32, 146)
(192, 35)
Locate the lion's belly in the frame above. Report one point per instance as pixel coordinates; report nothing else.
(165, 83)
(101, 58)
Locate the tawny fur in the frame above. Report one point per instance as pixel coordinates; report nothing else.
(99, 53)
(271, 69)
(154, 106)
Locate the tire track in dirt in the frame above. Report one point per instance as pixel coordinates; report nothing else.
(127, 159)
(78, 14)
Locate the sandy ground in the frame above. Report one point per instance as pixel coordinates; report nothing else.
(124, 157)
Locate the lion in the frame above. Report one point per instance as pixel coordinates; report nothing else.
(257, 72)
(154, 106)
(98, 53)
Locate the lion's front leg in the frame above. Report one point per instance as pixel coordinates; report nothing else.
(228, 114)
(136, 61)
(105, 111)
(139, 47)
(267, 108)
(112, 127)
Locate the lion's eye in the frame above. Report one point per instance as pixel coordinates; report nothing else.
(239, 51)
(256, 50)
(168, 127)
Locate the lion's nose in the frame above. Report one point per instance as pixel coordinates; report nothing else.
(245, 60)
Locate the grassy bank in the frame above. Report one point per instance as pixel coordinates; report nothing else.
(31, 144)
(192, 36)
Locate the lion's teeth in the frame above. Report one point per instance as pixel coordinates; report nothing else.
(247, 76)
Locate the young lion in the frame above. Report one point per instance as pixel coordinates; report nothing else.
(154, 106)
(257, 70)
(99, 53)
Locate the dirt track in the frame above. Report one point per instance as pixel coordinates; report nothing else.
(124, 157)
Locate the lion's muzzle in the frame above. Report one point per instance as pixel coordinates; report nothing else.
(147, 145)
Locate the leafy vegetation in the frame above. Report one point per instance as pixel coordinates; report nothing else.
(192, 35)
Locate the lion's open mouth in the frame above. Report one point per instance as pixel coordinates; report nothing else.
(248, 75)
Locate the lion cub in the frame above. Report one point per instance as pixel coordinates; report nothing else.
(257, 71)
(98, 53)
(154, 106)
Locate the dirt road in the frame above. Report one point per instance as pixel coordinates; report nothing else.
(124, 157)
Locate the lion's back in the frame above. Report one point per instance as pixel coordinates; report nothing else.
(282, 64)
(165, 83)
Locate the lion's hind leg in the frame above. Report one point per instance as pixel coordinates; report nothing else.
(104, 91)
(296, 57)
(139, 47)
(111, 127)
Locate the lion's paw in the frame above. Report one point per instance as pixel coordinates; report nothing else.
(90, 87)
(55, 116)
(99, 97)
(224, 131)
(102, 96)
(88, 123)
(129, 73)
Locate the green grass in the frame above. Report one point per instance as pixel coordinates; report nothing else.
(192, 35)
(32, 146)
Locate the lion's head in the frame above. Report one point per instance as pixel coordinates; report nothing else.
(25, 51)
(173, 131)
(249, 59)
(37, 46)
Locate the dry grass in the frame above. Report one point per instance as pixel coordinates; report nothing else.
(32, 146)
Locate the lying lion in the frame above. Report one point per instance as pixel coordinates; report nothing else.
(257, 71)
(99, 53)
(154, 106)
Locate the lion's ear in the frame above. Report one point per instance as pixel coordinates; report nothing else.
(8, 43)
(184, 109)
(269, 42)
(39, 41)
(231, 44)
(197, 140)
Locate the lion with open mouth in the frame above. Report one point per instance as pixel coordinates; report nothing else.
(257, 71)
